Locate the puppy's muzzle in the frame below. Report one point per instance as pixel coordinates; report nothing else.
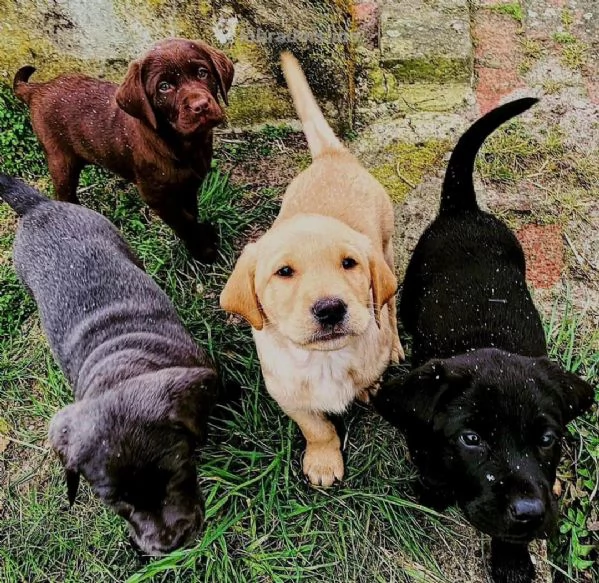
(527, 512)
(198, 104)
(156, 536)
(329, 311)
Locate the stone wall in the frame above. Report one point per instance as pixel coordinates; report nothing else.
(367, 60)
(100, 37)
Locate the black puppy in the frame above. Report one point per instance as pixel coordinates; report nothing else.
(143, 389)
(484, 409)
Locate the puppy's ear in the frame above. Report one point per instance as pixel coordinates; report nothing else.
(131, 96)
(239, 294)
(223, 67)
(383, 283)
(575, 395)
(416, 399)
(68, 447)
(192, 392)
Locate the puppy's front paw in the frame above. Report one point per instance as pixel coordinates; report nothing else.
(397, 352)
(511, 563)
(323, 463)
(365, 395)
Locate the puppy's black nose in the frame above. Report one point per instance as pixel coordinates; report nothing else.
(198, 105)
(329, 311)
(527, 510)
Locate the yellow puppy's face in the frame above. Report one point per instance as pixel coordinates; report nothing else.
(311, 278)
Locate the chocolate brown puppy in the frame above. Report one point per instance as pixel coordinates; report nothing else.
(155, 130)
(484, 409)
(143, 389)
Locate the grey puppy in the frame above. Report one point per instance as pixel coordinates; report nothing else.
(143, 389)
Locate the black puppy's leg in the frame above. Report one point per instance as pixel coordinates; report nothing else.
(436, 497)
(511, 563)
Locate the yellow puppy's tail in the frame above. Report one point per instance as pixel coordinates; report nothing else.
(318, 132)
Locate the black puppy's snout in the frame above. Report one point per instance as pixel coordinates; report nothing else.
(527, 510)
(329, 311)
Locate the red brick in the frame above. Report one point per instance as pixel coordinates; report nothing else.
(544, 250)
(366, 15)
(593, 90)
(492, 85)
(497, 57)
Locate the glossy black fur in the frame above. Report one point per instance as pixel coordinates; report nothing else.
(481, 367)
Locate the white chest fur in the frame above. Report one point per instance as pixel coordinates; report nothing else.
(327, 381)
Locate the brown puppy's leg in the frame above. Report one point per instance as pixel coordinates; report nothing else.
(65, 171)
(323, 462)
(397, 352)
(180, 214)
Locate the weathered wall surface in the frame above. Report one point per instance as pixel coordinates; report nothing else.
(100, 37)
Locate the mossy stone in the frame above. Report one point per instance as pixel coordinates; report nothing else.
(256, 104)
(424, 41)
(405, 164)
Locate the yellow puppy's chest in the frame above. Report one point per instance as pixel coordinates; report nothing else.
(322, 381)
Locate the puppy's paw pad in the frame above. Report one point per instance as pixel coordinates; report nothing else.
(323, 465)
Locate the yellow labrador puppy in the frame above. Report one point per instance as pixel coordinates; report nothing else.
(319, 288)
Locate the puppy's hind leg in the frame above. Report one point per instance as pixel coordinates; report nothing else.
(65, 170)
(397, 352)
(323, 462)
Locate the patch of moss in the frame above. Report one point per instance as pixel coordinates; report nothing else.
(531, 52)
(513, 9)
(257, 104)
(575, 54)
(384, 88)
(406, 164)
(189, 19)
(432, 69)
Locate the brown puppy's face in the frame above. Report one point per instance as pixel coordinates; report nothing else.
(310, 278)
(176, 85)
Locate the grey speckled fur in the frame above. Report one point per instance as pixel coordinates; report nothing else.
(143, 389)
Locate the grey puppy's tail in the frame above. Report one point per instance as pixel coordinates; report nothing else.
(458, 187)
(20, 196)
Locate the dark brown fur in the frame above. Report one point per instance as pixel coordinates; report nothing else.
(160, 140)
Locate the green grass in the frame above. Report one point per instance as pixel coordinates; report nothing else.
(264, 524)
(512, 9)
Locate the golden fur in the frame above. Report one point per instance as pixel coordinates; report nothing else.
(331, 212)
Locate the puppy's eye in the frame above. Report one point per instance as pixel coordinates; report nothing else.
(349, 263)
(547, 439)
(202, 73)
(285, 271)
(164, 86)
(470, 439)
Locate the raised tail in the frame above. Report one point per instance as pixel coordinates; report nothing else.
(20, 196)
(20, 83)
(318, 132)
(458, 187)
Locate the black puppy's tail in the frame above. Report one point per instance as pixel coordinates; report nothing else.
(458, 188)
(20, 196)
